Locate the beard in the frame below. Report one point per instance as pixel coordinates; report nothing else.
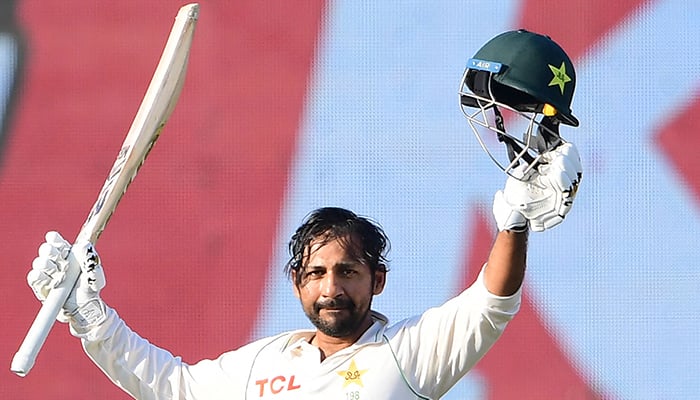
(343, 322)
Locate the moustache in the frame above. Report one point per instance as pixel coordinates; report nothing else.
(334, 304)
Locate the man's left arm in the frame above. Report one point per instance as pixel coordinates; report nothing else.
(505, 268)
(538, 200)
(437, 348)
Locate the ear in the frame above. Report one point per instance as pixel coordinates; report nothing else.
(379, 281)
(294, 284)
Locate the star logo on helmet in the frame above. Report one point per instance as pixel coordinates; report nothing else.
(560, 77)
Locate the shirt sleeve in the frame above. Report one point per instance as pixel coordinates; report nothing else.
(147, 372)
(141, 369)
(436, 349)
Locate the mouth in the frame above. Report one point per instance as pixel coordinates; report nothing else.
(333, 309)
(334, 312)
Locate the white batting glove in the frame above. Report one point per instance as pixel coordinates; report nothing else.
(83, 309)
(542, 197)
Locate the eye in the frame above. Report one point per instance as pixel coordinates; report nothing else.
(314, 273)
(349, 273)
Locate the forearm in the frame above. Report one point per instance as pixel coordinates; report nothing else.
(505, 268)
(138, 367)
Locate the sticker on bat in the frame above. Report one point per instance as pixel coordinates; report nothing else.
(114, 173)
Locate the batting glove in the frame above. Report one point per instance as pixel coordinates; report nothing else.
(83, 309)
(541, 197)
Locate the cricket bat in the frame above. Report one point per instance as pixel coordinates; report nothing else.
(157, 105)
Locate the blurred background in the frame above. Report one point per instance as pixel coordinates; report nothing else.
(291, 105)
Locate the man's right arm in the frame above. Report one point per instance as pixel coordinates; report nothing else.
(139, 368)
(148, 372)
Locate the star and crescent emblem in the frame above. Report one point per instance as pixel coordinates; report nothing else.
(352, 375)
(560, 77)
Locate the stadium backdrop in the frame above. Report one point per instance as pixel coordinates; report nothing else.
(290, 106)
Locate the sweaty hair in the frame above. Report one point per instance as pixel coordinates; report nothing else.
(363, 238)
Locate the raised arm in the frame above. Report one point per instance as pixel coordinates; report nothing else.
(538, 201)
(139, 368)
(505, 268)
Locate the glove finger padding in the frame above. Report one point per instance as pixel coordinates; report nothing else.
(83, 308)
(560, 174)
(92, 277)
(543, 196)
(41, 277)
(48, 269)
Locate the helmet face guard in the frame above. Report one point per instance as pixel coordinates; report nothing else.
(518, 78)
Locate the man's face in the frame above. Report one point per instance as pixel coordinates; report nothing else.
(335, 290)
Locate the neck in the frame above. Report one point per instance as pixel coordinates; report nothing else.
(329, 345)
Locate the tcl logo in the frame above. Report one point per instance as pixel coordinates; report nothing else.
(276, 385)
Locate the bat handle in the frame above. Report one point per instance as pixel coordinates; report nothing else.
(23, 361)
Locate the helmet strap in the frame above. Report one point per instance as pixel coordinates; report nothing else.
(512, 146)
(547, 134)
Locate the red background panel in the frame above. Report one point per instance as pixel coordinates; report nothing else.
(203, 211)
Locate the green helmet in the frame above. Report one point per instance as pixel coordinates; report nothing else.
(534, 71)
(527, 73)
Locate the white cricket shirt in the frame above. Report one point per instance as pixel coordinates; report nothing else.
(417, 358)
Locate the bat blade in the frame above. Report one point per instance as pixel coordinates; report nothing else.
(155, 109)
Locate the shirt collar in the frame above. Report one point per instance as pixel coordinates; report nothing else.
(299, 341)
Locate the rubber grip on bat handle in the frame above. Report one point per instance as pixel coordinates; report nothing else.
(26, 355)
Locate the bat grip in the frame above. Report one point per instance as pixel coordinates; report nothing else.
(24, 359)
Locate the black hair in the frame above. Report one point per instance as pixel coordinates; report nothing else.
(363, 238)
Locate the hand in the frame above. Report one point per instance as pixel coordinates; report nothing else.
(541, 197)
(83, 309)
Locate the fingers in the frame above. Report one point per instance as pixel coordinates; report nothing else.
(566, 167)
(546, 197)
(92, 274)
(55, 248)
(57, 241)
(47, 272)
(562, 172)
(569, 150)
(536, 225)
(49, 251)
(545, 222)
(40, 282)
(48, 269)
(45, 266)
(86, 253)
(55, 257)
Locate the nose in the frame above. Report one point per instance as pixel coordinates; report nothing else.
(331, 286)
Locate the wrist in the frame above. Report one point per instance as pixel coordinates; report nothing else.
(508, 219)
(517, 228)
(88, 316)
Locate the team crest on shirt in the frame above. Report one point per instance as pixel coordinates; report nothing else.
(352, 375)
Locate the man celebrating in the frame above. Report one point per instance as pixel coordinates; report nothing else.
(338, 264)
